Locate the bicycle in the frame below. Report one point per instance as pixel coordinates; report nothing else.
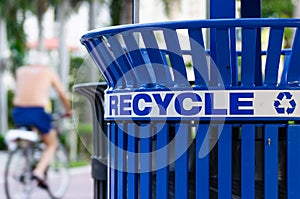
(25, 148)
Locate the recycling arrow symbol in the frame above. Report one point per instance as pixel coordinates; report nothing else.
(284, 104)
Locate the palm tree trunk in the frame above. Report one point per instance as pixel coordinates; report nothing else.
(62, 47)
(40, 45)
(64, 66)
(297, 10)
(115, 7)
(41, 9)
(4, 53)
(93, 71)
(126, 12)
(92, 14)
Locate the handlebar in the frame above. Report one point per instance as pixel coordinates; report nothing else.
(57, 116)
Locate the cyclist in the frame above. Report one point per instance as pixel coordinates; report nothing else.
(33, 84)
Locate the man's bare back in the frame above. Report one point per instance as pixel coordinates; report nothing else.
(33, 86)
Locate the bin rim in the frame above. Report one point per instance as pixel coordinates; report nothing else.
(204, 23)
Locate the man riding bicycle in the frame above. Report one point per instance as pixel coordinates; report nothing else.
(33, 84)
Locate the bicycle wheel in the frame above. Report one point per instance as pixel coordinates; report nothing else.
(18, 177)
(58, 174)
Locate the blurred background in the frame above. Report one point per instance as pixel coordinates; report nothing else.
(55, 26)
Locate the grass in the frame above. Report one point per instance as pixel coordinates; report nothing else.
(78, 164)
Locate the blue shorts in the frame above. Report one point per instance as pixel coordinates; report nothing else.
(33, 117)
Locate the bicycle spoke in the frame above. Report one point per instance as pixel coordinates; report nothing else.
(18, 179)
(58, 174)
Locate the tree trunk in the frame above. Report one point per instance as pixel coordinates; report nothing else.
(296, 14)
(64, 61)
(64, 67)
(297, 10)
(93, 14)
(126, 12)
(42, 6)
(40, 45)
(115, 11)
(4, 54)
(93, 71)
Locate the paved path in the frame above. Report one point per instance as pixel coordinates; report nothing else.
(81, 183)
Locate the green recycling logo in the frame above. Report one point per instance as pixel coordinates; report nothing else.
(284, 104)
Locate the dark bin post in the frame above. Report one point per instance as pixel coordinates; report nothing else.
(154, 111)
(94, 92)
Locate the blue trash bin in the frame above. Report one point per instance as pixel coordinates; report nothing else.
(191, 117)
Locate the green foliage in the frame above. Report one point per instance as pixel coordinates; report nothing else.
(10, 96)
(288, 35)
(2, 143)
(84, 128)
(116, 7)
(78, 164)
(115, 13)
(75, 64)
(13, 12)
(168, 5)
(39, 8)
(63, 139)
(189, 64)
(85, 144)
(277, 8)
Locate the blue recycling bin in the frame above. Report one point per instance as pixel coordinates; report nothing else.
(201, 108)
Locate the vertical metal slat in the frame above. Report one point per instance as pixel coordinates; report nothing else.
(176, 59)
(202, 161)
(199, 57)
(111, 127)
(138, 62)
(223, 55)
(248, 56)
(271, 161)
(100, 55)
(146, 161)
(132, 162)
(181, 163)
(293, 161)
(162, 72)
(122, 181)
(293, 71)
(123, 61)
(224, 162)
(248, 161)
(162, 159)
(273, 56)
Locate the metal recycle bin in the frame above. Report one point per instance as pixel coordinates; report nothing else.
(191, 116)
